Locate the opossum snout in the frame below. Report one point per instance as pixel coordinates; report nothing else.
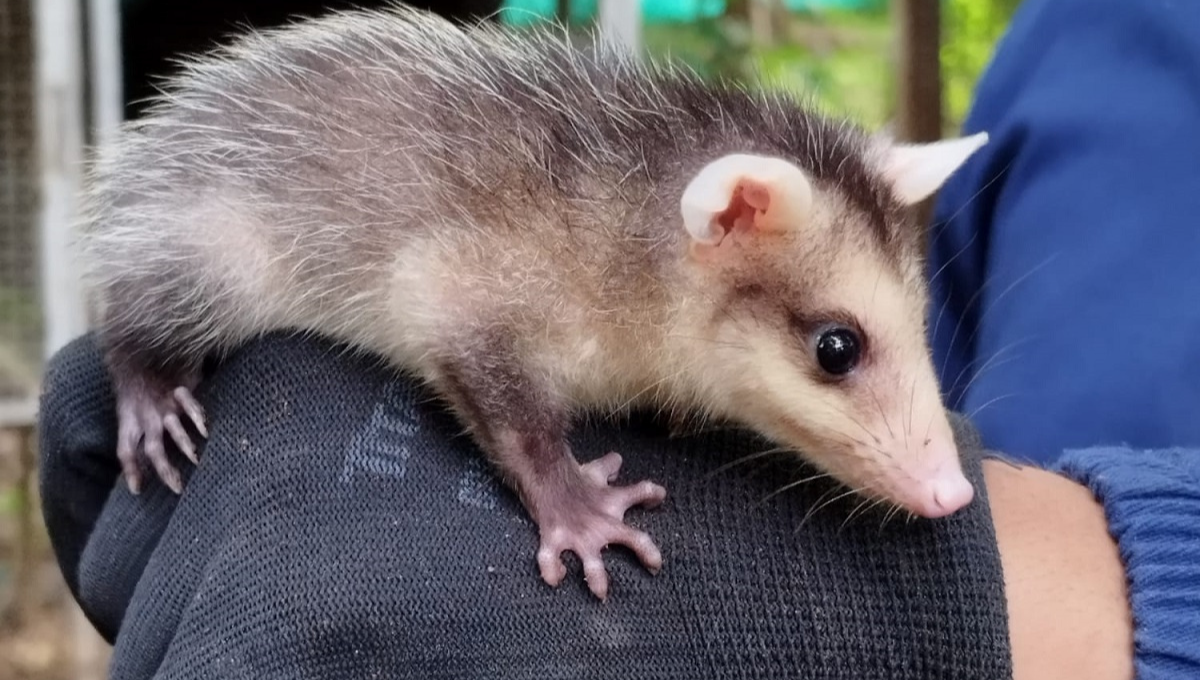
(943, 492)
(932, 484)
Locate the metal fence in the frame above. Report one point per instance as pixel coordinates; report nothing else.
(20, 317)
(43, 124)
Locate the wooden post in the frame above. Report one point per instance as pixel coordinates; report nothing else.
(918, 77)
(919, 69)
(17, 430)
(26, 557)
(762, 28)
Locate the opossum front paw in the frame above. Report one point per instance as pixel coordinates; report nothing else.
(144, 413)
(585, 514)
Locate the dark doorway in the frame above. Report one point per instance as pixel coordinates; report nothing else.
(154, 32)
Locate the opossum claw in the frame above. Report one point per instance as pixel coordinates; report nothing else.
(128, 436)
(586, 517)
(144, 414)
(152, 445)
(193, 409)
(179, 435)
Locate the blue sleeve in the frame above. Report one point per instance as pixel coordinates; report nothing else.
(1152, 502)
(1066, 254)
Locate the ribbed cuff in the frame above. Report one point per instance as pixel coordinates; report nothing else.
(1152, 501)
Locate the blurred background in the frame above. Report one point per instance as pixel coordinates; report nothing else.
(71, 70)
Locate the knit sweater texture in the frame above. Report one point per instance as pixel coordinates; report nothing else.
(339, 526)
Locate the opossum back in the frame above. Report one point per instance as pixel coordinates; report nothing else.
(297, 160)
(282, 177)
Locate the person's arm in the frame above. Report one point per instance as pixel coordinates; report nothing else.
(338, 526)
(1102, 563)
(1068, 605)
(247, 545)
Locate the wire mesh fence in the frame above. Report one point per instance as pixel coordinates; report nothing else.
(20, 320)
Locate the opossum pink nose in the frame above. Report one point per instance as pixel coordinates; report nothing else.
(946, 493)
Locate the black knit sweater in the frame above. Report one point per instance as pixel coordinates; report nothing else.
(338, 527)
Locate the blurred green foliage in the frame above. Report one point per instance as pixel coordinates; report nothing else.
(10, 501)
(843, 60)
(971, 29)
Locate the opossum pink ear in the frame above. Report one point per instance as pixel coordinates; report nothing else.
(915, 171)
(742, 192)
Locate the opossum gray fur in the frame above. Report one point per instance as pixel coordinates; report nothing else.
(536, 229)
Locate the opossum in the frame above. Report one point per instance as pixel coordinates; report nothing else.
(535, 229)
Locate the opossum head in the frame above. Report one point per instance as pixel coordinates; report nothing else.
(808, 301)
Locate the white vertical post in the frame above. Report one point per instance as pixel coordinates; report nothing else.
(104, 45)
(60, 119)
(621, 22)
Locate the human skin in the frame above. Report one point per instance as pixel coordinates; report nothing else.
(1068, 604)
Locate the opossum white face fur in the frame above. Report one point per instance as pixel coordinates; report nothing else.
(533, 229)
(809, 311)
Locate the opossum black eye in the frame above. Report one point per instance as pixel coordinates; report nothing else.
(838, 350)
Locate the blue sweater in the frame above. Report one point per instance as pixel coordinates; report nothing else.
(1066, 263)
(1068, 249)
